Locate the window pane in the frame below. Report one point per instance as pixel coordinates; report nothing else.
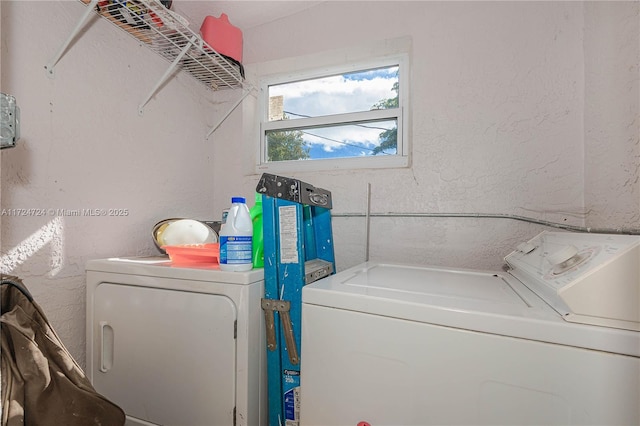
(375, 138)
(339, 94)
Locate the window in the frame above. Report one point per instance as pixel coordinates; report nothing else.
(342, 117)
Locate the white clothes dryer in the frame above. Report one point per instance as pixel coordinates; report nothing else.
(554, 340)
(177, 345)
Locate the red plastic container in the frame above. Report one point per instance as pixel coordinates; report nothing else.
(222, 36)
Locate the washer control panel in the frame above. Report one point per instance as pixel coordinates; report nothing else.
(587, 278)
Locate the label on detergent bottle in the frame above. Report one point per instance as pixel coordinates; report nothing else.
(236, 249)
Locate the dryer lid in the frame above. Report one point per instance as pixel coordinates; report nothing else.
(161, 267)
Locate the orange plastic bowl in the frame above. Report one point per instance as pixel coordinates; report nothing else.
(194, 253)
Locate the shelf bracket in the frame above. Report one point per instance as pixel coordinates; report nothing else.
(167, 73)
(79, 26)
(245, 93)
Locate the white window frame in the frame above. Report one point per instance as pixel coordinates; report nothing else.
(401, 159)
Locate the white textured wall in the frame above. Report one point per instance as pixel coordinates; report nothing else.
(514, 110)
(612, 114)
(497, 122)
(84, 146)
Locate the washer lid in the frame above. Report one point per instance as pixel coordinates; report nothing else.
(483, 301)
(445, 286)
(368, 287)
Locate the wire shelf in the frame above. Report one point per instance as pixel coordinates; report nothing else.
(167, 34)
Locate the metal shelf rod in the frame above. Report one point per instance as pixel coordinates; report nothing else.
(233, 107)
(85, 17)
(166, 74)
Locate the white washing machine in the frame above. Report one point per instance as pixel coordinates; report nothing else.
(555, 340)
(177, 345)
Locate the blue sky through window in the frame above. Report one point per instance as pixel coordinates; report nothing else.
(339, 94)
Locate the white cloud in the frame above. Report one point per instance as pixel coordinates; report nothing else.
(336, 95)
(333, 95)
(365, 135)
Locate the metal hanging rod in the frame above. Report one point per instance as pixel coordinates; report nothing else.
(628, 231)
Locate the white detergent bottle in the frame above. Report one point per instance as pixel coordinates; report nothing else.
(236, 238)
